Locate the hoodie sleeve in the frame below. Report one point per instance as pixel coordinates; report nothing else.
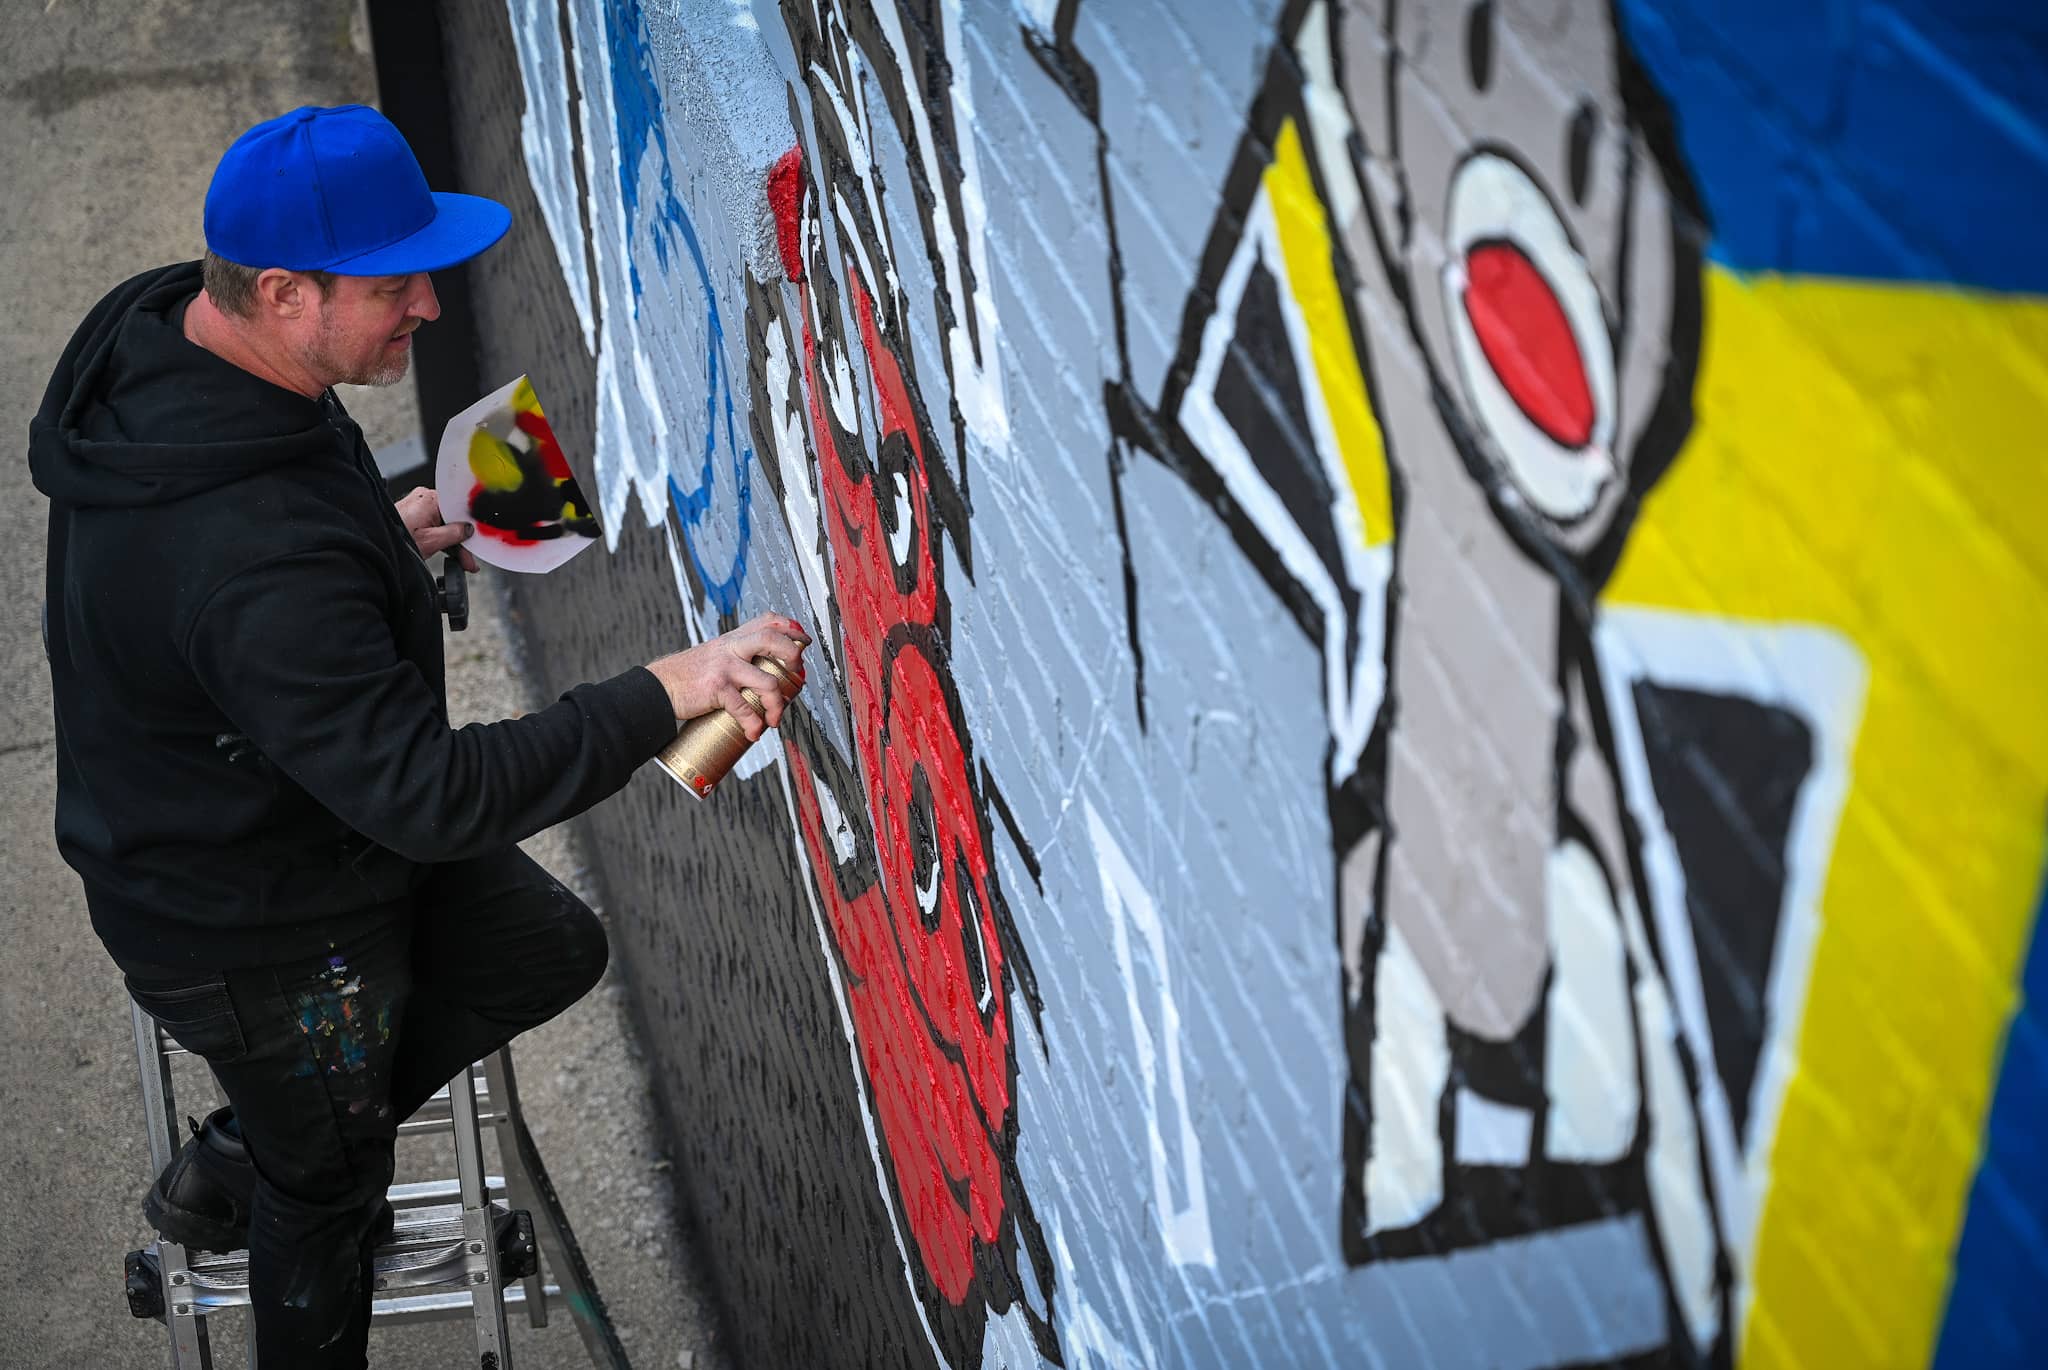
(325, 694)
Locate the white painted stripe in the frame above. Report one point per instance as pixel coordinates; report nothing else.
(1328, 116)
(801, 517)
(977, 385)
(1411, 1060)
(1184, 1223)
(1589, 1071)
(549, 147)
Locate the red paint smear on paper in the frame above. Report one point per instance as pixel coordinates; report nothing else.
(940, 1074)
(535, 425)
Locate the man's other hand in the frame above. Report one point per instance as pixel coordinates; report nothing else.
(712, 674)
(421, 513)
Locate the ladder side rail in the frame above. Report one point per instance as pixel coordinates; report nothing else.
(518, 1186)
(572, 1271)
(190, 1347)
(159, 1100)
(479, 1230)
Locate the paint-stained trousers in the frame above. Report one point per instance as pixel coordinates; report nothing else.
(323, 1059)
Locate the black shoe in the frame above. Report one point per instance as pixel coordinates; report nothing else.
(202, 1198)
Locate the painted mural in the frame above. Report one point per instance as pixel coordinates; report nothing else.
(1433, 750)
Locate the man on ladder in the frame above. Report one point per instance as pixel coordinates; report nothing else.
(303, 872)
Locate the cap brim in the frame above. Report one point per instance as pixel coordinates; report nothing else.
(462, 226)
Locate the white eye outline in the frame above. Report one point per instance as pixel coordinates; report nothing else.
(927, 883)
(1494, 200)
(838, 370)
(970, 919)
(903, 541)
(835, 824)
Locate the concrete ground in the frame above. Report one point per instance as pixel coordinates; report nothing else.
(115, 114)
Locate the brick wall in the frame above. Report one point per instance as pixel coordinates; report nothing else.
(1425, 745)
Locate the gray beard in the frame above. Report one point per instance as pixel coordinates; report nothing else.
(391, 373)
(386, 373)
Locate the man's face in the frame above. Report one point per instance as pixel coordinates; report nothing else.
(360, 329)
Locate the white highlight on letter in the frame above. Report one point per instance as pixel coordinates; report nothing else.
(545, 137)
(1184, 1227)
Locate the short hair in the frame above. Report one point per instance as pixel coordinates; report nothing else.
(233, 286)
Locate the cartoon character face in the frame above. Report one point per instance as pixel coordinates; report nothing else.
(1534, 232)
(896, 831)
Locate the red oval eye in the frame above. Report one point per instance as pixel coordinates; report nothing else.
(1528, 341)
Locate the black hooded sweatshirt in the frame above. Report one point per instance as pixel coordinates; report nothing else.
(254, 755)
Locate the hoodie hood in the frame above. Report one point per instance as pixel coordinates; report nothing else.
(137, 414)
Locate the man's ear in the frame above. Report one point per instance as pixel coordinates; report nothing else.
(281, 294)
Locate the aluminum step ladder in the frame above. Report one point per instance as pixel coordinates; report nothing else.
(461, 1248)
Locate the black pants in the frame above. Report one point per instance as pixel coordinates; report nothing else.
(322, 1060)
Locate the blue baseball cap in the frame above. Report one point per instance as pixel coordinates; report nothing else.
(337, 189)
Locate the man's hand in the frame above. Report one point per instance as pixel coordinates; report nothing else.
(420, 511)
(711, 674)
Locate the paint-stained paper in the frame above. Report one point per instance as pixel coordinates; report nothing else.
(500, 468)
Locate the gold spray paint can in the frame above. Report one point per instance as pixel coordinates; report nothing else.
(709, 744)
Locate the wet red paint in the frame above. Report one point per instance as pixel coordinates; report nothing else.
(785, 199)
(939, 1067)
(1528, 341)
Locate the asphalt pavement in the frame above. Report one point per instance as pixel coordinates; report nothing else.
(115, 114)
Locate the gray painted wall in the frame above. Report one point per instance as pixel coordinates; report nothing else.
(1261, 881)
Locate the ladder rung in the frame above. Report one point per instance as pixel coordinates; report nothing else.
(425, 1252)
(415, 1308)
(425, 1272)
(419, 1193)
(426, 1121)
(436, 1112)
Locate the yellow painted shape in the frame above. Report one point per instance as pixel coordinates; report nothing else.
(1312, 278)
(1871, 458)
(492, 462)
(524, 401)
